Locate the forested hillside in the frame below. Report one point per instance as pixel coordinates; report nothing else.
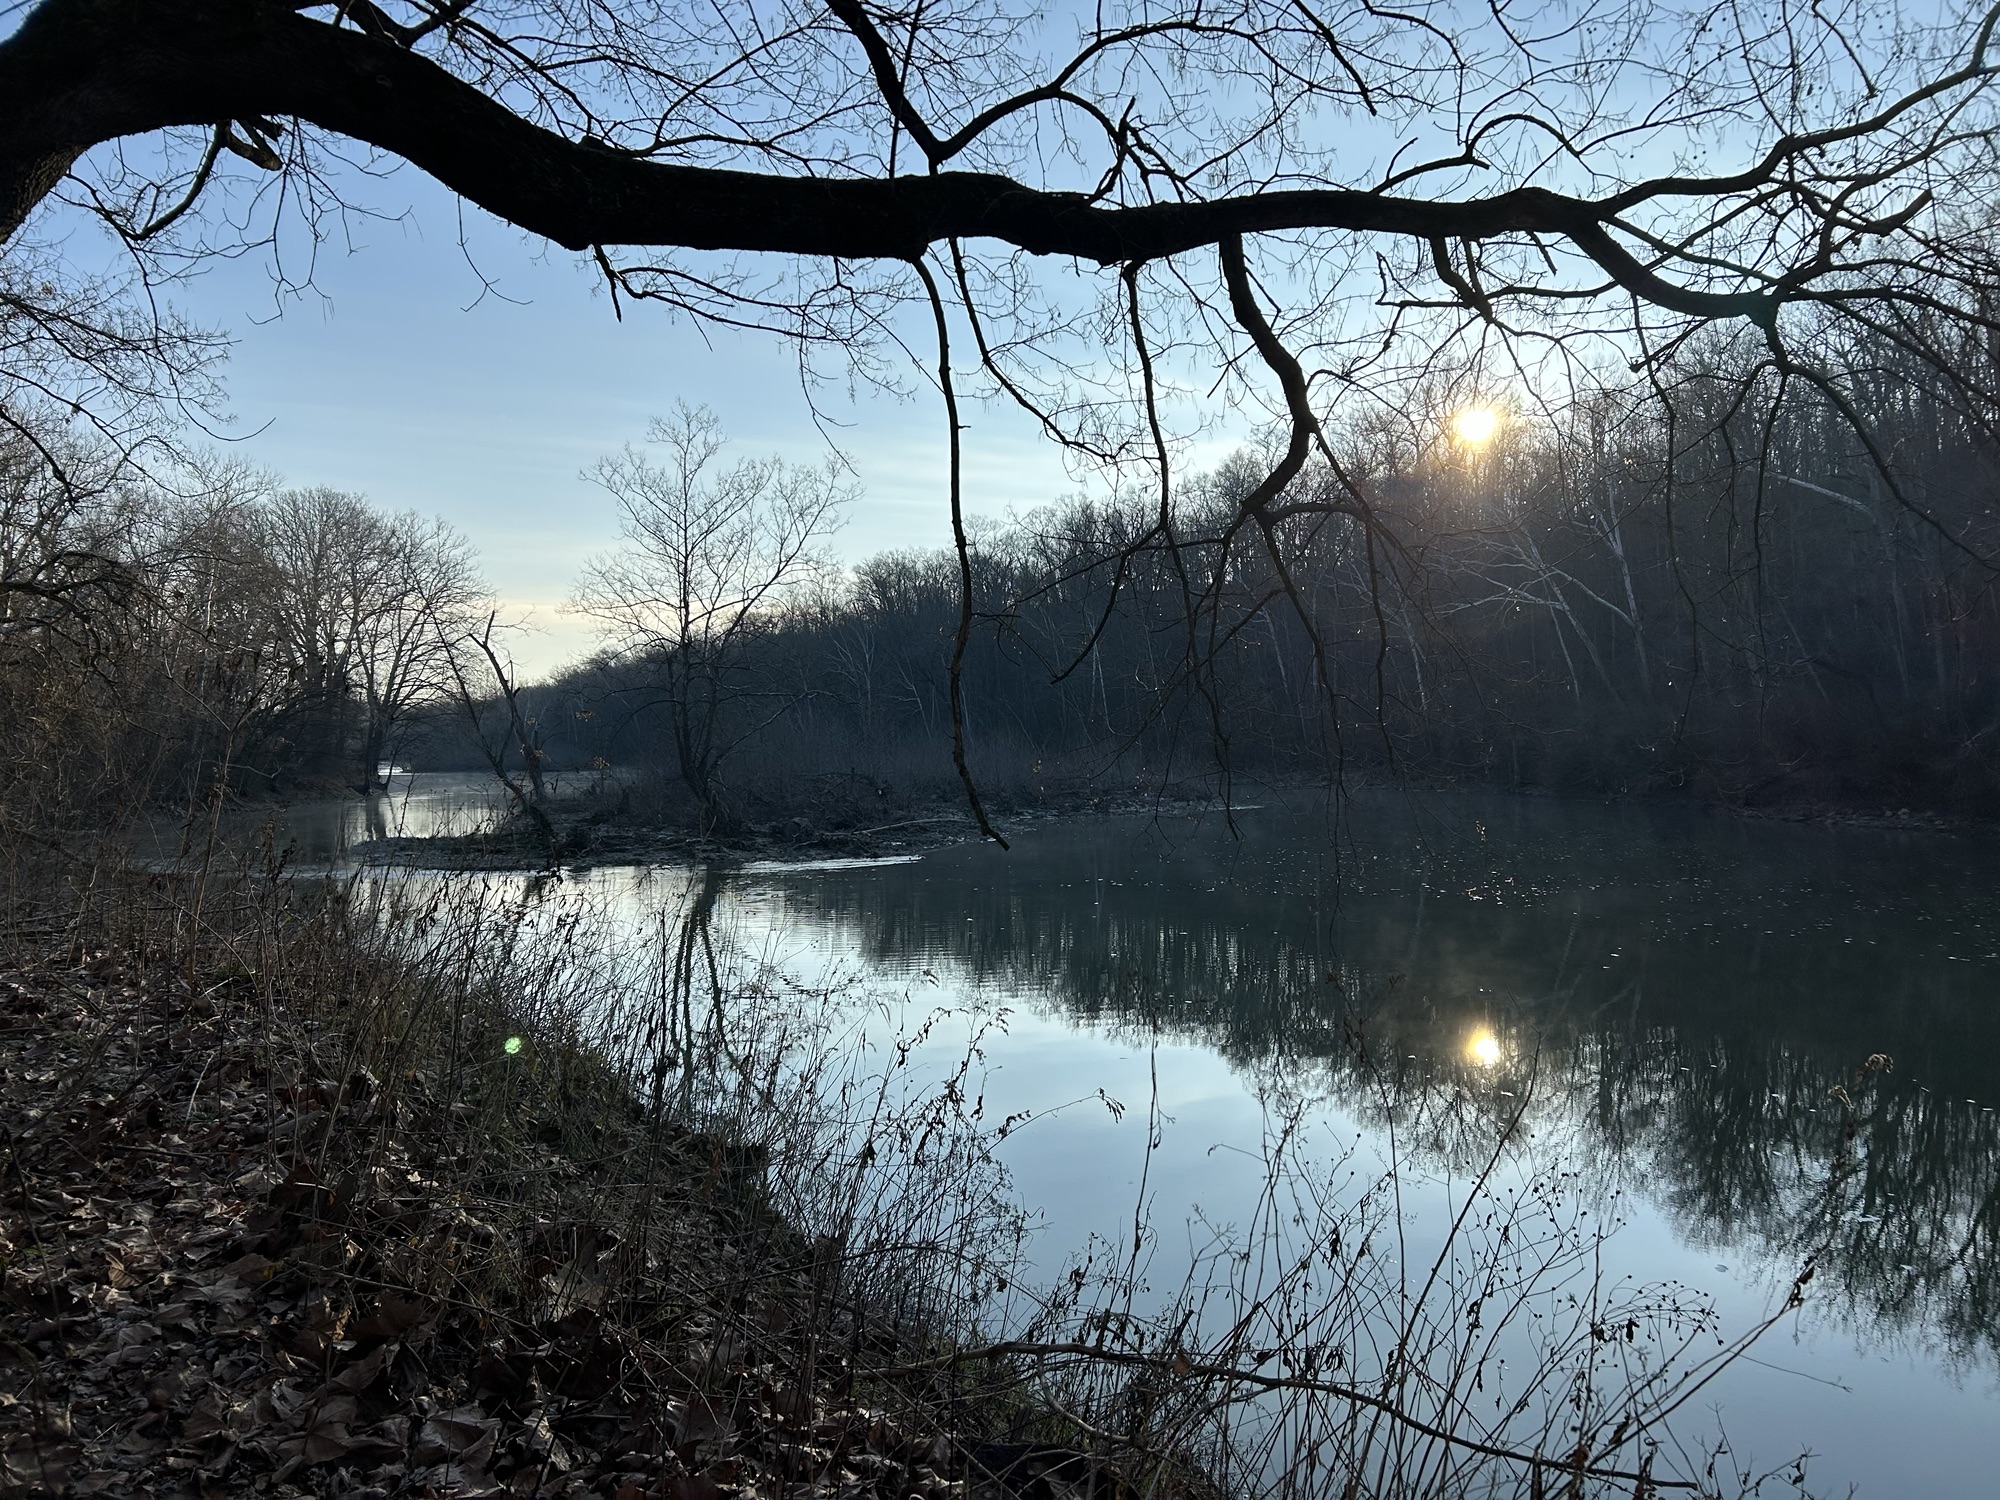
(1722, 593)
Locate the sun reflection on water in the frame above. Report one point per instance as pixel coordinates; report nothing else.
(1482, 1048)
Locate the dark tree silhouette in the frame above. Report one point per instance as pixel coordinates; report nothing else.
(1299, 207)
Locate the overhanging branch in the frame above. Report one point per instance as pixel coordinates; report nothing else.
(82, 72)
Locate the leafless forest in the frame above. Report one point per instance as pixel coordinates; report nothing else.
(1714, 592)
(1727, 279)
(1614, 395)
(1721, 596)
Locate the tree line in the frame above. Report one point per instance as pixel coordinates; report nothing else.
(1111, 233)
(178, 630)
(1713, 585)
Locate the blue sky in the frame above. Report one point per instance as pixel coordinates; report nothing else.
(396, 378)
(402, 377)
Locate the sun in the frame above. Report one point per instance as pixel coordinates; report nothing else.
(1475, 426)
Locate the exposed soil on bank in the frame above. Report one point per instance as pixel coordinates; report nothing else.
(226, 1272)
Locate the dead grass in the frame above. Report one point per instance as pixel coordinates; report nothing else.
(431, 1186)
(317, 1202)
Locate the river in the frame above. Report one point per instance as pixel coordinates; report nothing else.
(1669, 999)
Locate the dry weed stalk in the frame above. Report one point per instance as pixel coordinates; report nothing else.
(652, 1141)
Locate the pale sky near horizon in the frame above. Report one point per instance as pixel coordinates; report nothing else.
(397, 379)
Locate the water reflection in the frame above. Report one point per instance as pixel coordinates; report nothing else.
(321, 831)
(1678, 997)
(1663, 1003)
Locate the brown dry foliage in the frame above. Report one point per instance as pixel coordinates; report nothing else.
(226, 1272)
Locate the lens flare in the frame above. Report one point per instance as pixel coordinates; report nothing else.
(513, 1046)
(1483, 1049)
(1476, 426)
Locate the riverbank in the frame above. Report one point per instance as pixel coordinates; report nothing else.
(228, 1274)
(596, 839)
(598, 832)
(615, 1206)
(299, 1221)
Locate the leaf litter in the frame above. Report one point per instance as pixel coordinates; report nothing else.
(226, 1274)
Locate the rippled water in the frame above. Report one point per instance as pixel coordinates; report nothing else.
(1670, 995)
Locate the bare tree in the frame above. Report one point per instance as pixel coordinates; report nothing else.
(711, 551)
(59, 536)
(426, 588)
(362, 603)
(1297, 208)
(498, 721)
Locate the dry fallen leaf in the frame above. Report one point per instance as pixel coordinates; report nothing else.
(464, 1436)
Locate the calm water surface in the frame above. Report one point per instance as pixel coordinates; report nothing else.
(1673, 993)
